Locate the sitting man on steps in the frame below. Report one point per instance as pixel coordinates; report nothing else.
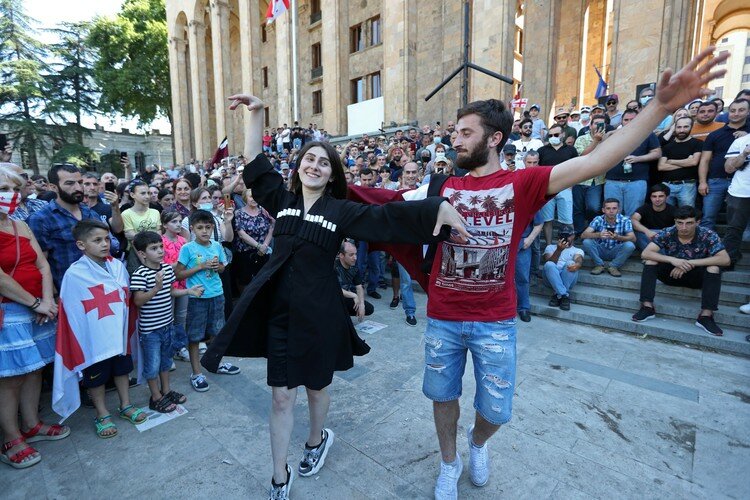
(652, 217)
(561, 264)
(609, 237)
(350, 280)
(684, 255)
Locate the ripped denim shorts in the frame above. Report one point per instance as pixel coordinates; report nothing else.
(493, 353)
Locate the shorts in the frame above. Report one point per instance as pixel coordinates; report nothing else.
(157, 351)
(24, 345)
(205, 317)
(563, 201)
(493, 352)
(99, 373)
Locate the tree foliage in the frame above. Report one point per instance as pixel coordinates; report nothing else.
(132, 65)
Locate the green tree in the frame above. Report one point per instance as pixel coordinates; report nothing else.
(132, 63)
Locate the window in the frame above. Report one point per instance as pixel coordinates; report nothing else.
(357, 40)
(263, 34)
(375, 89)
(315, 12)
(317, 59)
(266, 117)
(358, 90)
(724, 40)
(745, 78)
(747, 59)
(264, 76)
(719, 92)
(519, 40)
(317, 101)
(748, 42)
(375, 31)
(721, 53)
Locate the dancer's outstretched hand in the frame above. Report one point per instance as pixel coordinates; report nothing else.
(248, 100)
(691, 82)
(447, 215)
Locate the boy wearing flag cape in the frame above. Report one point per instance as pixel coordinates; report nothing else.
(94, 332)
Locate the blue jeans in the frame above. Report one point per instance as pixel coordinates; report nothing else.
(717, 192)
(493, 351)
(587, 203)
(180, 318)
(523, 274)
(617, 255)
(369, 264)
(641, 240)
(157, 351)
(406, 291)
(560, 280)
(631, 194)
(682, 194)
(564, 203)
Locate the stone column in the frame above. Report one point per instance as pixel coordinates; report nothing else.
(399, 60)
(569, 45)
(221, 66)
(594, 50)
(198, 77)
(335, 51)
(541, 28)
(492, 41)
(677, 36)
(249, 14)
(180, 120)
(283, 69)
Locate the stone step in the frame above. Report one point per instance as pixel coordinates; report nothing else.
(683, 331)
(666, 306)
(731, 295)
(740, 276)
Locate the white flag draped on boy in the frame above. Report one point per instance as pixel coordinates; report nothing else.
(95, 322)
(275, 9)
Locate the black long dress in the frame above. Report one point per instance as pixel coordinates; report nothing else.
(320, 336)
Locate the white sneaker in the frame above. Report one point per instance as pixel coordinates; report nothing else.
(479, 461)
(745, 309)
(182, 355)
(446, 487)
(282, 492)
(202, 348)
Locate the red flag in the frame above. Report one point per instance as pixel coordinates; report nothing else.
(221, 152)
(275, 9)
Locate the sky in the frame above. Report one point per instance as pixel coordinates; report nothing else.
(50, 12)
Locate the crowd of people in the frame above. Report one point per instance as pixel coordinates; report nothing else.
(216, 258)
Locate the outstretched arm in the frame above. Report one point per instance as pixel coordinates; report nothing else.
(254, 123)
(673, 91)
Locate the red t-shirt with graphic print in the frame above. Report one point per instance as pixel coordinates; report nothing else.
(475, 281)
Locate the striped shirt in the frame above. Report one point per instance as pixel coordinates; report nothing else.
(157, 312)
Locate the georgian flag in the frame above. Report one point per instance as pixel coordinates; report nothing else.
(275, 9)
(95, 322)
(9, 201)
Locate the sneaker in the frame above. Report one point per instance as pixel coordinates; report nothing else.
(173, 367)
(281, 491)
(613, 271)
(202, 348)
(394, 302)
(446, 487)
(565, 303)
(554, 301)
(411, 321)
(374, 294)
(709, 325)
(314, 458)
(524, 315)
(199, 382)
(745, 309)
(479, 461)
(644, 314)
(227, 368)
(597, 270)
(182, 355)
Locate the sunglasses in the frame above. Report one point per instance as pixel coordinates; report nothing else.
(526, 127)
(611, 102)
(555, 135)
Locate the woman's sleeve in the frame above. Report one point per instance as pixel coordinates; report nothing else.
(266, 184)
(395, 222)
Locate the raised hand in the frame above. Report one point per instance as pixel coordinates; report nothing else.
(248, 100)
(447, 215)
(677, 89)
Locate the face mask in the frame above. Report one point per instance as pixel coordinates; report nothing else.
(9, 201)
(436, 140)
(555, 141)
(644, 100)
(585, 117)
(206, 206)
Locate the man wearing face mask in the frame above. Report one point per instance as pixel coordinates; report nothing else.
(553, 154)
(679, 163)
(584, 121)
(526, 142)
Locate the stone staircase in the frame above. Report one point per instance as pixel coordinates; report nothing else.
(609, 303)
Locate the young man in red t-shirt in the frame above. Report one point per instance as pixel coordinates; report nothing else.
(472, 304)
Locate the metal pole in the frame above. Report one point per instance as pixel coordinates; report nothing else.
(295, 86)
(465, 76)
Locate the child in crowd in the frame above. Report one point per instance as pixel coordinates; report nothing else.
(138, 218)
(151, 285)
(106, 314)
(173, 241)
(200, 262)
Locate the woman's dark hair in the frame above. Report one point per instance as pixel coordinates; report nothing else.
(121, 188)
(163, 193)
(193, 178)
(168, 216)
(337, 185)
(181, 179)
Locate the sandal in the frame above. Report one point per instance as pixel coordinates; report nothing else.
(54, 433)
(133, 416)
(101, 427)
(176, 397)
(17, 459)
(164, 405)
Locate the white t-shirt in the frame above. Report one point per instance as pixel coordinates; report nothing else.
(567, 256)
(740, 186)
(523, 147)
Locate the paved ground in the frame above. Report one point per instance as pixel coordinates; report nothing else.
(596, 415)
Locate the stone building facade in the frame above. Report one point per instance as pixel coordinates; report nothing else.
(348, 51)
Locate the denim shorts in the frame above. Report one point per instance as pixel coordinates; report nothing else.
(25, 346)
(493, 352)
(157, 351)
(205, 317)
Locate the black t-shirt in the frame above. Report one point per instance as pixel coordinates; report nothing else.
(348, 278)
(679, 151)
(549, 156)
(656, 220)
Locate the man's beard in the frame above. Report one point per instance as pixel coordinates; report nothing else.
(72, 199)
(471, 160)
(526, 133)
(682, 136)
